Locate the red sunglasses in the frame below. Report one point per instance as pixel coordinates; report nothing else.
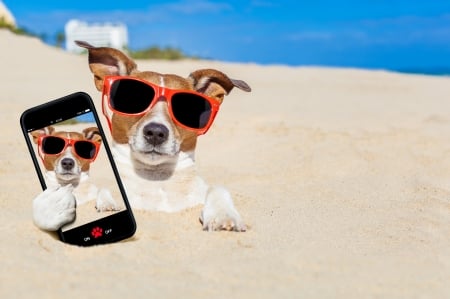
(135, 97)
(53, 145)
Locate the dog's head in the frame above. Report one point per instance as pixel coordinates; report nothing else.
(67, 165)
(154, 138)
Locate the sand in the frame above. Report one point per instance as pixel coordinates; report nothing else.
(343, 176)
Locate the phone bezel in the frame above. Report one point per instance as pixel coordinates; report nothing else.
(65, 108)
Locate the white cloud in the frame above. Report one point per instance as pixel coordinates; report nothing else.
(196, 6)
(309, 36)
(151, 15)
(263, 3)
(408, 20)
(403, 30)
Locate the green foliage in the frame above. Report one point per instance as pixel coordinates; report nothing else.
(14, 29)
(60, 39)
(155, 52)
(71, 121)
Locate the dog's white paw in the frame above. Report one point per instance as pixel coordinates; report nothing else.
(105, 201)
(219, 212)
(54, 208)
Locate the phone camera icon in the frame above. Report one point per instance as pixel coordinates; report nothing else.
(97, 232)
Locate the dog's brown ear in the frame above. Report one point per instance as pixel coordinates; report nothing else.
(93, 134)
(214, 83)
(105, 61)
(41, 132)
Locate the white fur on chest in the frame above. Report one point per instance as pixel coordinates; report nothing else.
(184, 189)
(84, 192)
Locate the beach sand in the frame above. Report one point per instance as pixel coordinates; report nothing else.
(343, 176)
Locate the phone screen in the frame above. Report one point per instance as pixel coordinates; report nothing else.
(69, 148)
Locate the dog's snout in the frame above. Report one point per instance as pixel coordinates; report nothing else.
(155, 133)
(67, 163)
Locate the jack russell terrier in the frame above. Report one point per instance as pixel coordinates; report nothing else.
(67, 157)
(155, 120)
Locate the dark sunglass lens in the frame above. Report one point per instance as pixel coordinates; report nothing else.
(191, 110)
(130, 96)
(52, 145)
(85, 149)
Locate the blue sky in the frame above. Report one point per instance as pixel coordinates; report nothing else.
(388, 34)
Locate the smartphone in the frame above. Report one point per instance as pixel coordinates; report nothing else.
(68, 146)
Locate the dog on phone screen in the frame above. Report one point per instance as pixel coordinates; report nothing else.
(67, 178)
(154, 153)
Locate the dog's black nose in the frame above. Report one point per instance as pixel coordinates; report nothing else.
(155, 134)
(67, 163)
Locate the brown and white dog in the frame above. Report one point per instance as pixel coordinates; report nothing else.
(154, 155)
(67, 179)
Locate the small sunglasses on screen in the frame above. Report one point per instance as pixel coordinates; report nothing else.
(135, 97)
(53, 145)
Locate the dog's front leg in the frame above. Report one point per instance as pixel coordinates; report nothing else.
(219, 212)
(105, 201)
(54, 208)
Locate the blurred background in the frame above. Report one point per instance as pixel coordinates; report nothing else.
(399, 35)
